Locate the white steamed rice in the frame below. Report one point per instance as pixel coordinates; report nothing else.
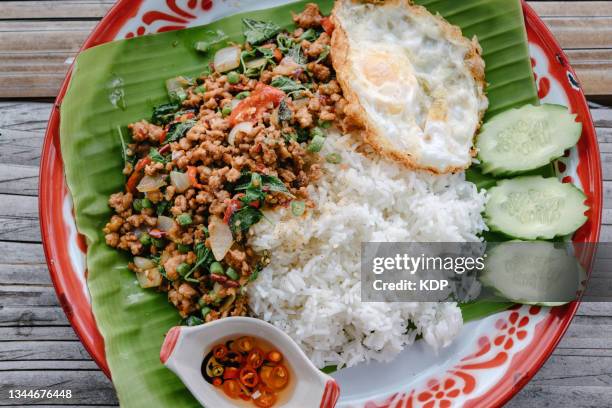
(311, 289)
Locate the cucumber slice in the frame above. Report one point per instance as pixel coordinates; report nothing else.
(523, 139)
(533, 272)
(534, 207)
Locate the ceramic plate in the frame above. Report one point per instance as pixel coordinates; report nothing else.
(491, 360)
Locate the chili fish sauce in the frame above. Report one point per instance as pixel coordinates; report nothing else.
(250, 370)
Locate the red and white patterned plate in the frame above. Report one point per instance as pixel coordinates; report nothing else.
(490, 361)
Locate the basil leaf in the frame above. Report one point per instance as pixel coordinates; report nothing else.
(162, 207)
(296, 54)
(163, 114)
(204, 258)
(244, 181)
(268, 184)
(309, 35)
(303, 135)
(193, 321)
(244, 218)
(271, 183)
(252, 194)
(287, 85)
(209, 39)
(323, 54)
(124, 152)
(284, 42)
(178, 130)
(156, 156)
(284, 112)
(267, 53)
(257, 32)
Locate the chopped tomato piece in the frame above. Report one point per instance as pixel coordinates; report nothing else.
(327, 25)
(217, 382)
(251, 108)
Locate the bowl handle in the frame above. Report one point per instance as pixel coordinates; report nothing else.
(169, 343)
(330, 394)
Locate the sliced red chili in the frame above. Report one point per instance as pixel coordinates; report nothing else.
(234, 357)
(274, 356)
(267, 398)
(245, 344)
(255, 358)
(231, 388)
(220, 351)
(218, 278)
(232, 207)
(231, 373)
(279, 377)
(231, 284)
(164, 149)
(249, 377)
(162, 138)
(136, 175)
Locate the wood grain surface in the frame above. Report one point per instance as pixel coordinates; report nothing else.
(38, 37)
(39, 349)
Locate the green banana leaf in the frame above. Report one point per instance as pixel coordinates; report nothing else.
(118, 83)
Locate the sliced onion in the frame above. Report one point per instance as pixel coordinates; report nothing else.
(221, 238)
(235, 103)
(151, 278)
(165, 223)
(227, 59)
(256, 63)
(143, 263)
(180, 181)
(244, 127)
(227, 303)
(148, 183)
(286, 67)
(177, 154)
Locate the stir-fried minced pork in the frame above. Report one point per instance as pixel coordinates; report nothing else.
(204, 166)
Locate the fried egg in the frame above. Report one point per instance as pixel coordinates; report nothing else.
(413, 82)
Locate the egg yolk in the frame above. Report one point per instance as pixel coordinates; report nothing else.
(391, 77)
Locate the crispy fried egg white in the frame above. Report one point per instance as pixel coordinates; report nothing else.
(414, 83)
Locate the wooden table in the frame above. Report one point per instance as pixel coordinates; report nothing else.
(38, 348)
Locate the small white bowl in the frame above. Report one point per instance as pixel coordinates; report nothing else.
(184, 350)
